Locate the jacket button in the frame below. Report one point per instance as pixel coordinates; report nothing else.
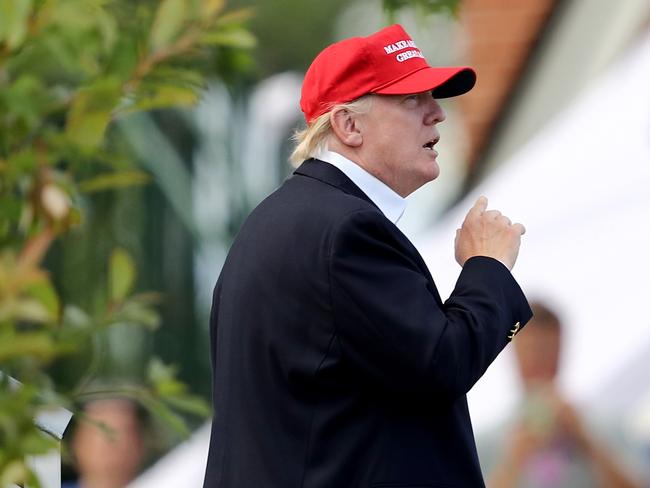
(514, 330)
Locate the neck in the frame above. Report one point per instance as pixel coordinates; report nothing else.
(104, 482)
(356, 156)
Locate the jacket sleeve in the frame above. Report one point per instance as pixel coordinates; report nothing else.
(391, 324)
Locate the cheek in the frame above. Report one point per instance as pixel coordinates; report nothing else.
(402, 144)
(385, 147)
(538, 361)
(394, 144)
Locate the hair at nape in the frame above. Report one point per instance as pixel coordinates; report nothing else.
(313, 138)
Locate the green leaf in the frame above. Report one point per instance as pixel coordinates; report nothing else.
(13, 473)
(170, 388)
(121, 275)
(23, 161)
(190, 404)
(110, 181)
(107, 26)
(235, 37)
(28, 101)
(10, 209)
(164, 96)
(90, 113)
(238, 16)
(35, 442)
(166, 415)
(27, 309)
(124, 57)
(163, 378)
(37, 344)
(159, 371)
(87, 129)
(45, 293)
(31, 310)
(71, 15)
(170, 16)
(14, 17)
(76, 317)
(83, 17)
(212, 7)
(137, 313)
(172, 76)
(426, 7)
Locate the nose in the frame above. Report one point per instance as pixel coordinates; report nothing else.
(435, 114)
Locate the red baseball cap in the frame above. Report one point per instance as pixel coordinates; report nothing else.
(386, 63)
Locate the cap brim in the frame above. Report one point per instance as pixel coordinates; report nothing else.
(442, 82)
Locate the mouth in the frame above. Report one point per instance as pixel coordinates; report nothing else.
(429, 145)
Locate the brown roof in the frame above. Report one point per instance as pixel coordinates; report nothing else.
(500, 36)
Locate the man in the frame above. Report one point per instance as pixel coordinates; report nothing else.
(550, 445)
(108, 446)
(336, 363)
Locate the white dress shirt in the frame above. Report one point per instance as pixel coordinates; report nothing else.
(390, 203)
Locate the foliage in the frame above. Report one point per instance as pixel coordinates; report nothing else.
(290, 32)
(391, 7)
(69, 69)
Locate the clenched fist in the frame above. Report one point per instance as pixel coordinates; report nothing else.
(488, 233)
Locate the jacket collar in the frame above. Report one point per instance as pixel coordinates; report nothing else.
(327, 173)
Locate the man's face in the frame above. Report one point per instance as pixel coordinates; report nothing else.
(399, 133)
(537, 348)
(113, 456)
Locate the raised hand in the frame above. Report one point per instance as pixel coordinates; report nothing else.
(488, 233)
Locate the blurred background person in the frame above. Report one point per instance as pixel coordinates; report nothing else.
(550, 444)
(108, 445)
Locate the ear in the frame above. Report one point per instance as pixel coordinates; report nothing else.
(345, 127)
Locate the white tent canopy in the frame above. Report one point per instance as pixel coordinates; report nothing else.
(182, 467)
(582, 188)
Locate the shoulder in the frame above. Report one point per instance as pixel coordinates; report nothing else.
(305, 198)
(303, 211)
(365, 235)
(317, 192)
(366, 222)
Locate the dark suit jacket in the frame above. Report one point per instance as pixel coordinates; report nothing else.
(336, 364)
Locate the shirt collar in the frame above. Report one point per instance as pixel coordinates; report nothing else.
(390, 203)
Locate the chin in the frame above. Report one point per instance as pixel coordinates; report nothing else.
(423, 180)
(434, 171)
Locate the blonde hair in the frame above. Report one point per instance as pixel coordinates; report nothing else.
(313, 138)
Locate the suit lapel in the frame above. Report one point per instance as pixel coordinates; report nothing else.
(331, 175)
